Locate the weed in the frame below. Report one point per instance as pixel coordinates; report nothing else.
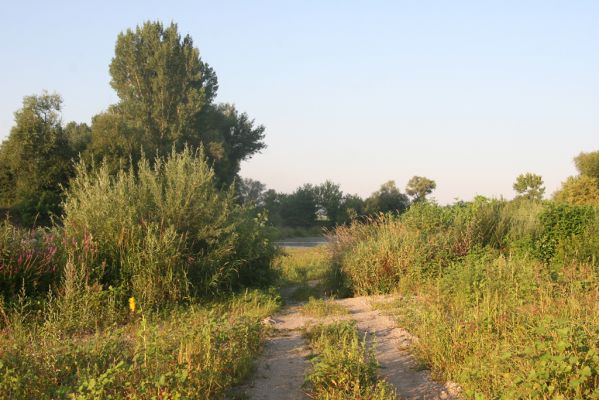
(322, 308)
(344, 366)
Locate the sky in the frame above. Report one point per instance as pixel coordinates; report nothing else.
(468, 93)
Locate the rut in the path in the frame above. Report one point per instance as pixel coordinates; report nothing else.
(281, 369)
(398, 366)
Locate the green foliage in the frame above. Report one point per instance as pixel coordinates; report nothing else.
(329, 198)
(166, 97)
(568, 232)
(588, 164)
(192, 352)
(163, 231)
(251, 191)
(387, 199)
(344, 366)
(35, 160)
(297, 265)
(79, 136)
(580, 190)
(503, 294)
(298, 209)
(419, 187)
(584, 188)
(529, 186)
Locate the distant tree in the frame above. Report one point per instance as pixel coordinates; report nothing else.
(588, 164)
(581, 190)
(328, 197)
(387, 199)
(529, 186)
(419, 187)
(272, 204)
(352, 207)
(298, 209)
(167, 97)
(251, 191)
(35, 160)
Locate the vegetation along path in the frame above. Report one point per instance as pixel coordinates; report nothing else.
(281, 370)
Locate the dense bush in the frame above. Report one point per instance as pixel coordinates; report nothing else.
(504, 293)
(163, 231)
(372, 257)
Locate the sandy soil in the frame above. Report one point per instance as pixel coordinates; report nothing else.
(281, 369)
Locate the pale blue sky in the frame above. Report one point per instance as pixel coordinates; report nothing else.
(469, 93)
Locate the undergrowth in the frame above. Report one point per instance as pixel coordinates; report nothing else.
(189, 352)
(504, 295)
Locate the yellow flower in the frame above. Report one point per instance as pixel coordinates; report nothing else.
(132, 304)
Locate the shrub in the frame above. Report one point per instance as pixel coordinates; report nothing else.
(569, 232)
(163, 231)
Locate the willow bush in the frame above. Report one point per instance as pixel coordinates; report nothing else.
(163, 231)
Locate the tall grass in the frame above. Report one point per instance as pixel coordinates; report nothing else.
(189, 352)
(504, 295)
(299, 265)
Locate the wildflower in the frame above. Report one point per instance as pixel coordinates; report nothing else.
(132, 304)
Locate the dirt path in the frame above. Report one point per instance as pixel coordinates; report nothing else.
(281, 369)
(398, 366)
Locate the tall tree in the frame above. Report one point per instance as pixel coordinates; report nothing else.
(329, 197)
(35, 160)
(298, 209)
(419, 187)
(166, 97)
(387, 199)
(529, 186)
(352, 207)
(251, 191)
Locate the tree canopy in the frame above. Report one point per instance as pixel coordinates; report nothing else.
(588, 164)
(584, 188)
(529, 186)
(35, 160)
(419, 187)
(387, 199)
(166, 98)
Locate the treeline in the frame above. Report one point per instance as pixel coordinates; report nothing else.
(326, 205)
(166, 100)
(311, 207)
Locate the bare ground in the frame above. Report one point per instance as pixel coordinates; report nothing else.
(281, 369)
